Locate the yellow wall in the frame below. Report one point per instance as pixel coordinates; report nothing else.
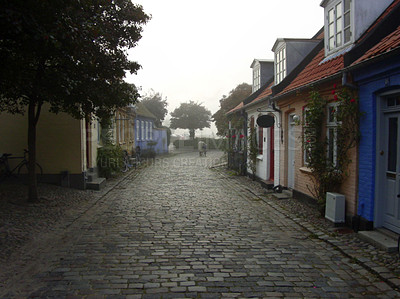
(58, 140)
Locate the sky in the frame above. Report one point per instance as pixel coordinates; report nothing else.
(201, 50)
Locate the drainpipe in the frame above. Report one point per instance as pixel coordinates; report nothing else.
(280, 119)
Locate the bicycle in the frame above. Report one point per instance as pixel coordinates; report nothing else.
(6, 171)
(126, 165)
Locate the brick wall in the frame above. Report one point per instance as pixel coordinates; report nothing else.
(302, 182)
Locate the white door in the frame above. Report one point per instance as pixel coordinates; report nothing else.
(291, 151)
(390, 185)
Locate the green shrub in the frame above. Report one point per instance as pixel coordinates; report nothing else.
(109, 160)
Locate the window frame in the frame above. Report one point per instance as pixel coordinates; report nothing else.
(334, 30)
(280, 64)
(305, 126)
(151, 130)
(331, 131)
(256, 77)
(142, 130)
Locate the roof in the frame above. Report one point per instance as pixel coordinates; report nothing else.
(141, 110)
(316, 71)
(260, 61)
(367, 47)
(265, 93)
(388, 43)
(237, 108)
(286, 40)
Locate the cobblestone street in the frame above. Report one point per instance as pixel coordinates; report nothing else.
(181, 229)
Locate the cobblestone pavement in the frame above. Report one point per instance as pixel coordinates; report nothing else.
(181, 230)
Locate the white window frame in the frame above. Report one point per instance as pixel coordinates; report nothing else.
(123, 128)
(256, 78)
(142, 130)
(151, 131)
(305, 126)
(280, 64)
(339, 26)
(137, 129)
(331, 129)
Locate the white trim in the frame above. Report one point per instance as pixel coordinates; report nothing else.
(332, 6)
(379, 165)
(280, 64)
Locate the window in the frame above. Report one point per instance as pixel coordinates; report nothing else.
(151, 131)
(331, 133)
(308, 140)
(137, 129)
(339, 25)
(142, 136)
(256, 78)
(122, 128)
(280, 65)
(146, 130)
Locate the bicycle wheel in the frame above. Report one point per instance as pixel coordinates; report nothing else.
(3, 171)
(24, 168)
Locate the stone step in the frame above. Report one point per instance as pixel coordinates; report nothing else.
(380, 239)
(91, 175)
(96, 184)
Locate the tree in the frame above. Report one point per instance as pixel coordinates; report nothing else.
(156, 105)
(69, 54)
(190, 116)
(227, 103)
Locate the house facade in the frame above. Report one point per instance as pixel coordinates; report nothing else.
(66, 147)
(124, 129)
(356, 51)
(147, 136)
(324, 71)
(377, 74)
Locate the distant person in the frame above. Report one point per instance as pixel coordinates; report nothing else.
(137, 154)
(202, 147)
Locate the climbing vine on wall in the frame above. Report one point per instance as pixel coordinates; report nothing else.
(252, 148)
(328, 158)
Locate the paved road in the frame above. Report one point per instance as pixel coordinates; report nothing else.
(180, 229)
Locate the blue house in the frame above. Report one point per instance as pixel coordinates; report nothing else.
(375, 68)
(147, 136)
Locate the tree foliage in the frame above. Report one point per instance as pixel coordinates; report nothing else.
(190, 116)
(156, 105)
(227, 103)
(69, 54)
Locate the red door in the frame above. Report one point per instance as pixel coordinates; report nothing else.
(272, 154)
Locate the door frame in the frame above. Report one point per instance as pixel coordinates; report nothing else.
(380, 167)
(291, 168)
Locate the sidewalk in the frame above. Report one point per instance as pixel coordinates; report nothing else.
(379, 262)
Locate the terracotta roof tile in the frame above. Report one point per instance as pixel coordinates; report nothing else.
(237, 108)
(316, 71)
(266, 92)
(387, 44)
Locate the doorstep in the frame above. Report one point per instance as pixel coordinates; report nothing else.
(382, 238)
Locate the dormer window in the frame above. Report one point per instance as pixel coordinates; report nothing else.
(338, 26)
(256, 78)
(280, 65)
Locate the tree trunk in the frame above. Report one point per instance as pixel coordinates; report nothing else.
(33, 116)
(192, 133)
